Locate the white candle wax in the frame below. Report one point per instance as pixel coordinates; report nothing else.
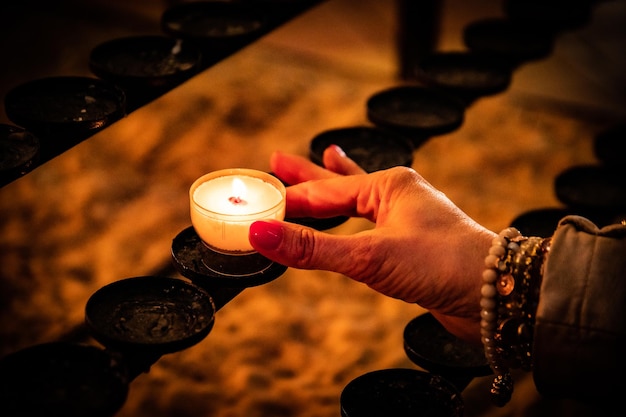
(225, 203)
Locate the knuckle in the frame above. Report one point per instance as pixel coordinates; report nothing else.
(305, 254)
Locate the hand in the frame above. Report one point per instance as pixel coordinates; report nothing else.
(423, 248)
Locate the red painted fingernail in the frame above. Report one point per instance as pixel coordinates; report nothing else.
(266, 235)
(338, 150)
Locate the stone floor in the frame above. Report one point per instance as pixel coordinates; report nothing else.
(109, 208)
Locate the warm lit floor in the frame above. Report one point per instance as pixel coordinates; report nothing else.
(109, 208)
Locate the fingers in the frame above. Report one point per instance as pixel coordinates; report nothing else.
(360, 257)
(349, 195)
(336, 160)
(294, 169)
(300, 247)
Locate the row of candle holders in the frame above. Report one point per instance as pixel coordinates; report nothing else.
(53, 114)
(140, 319)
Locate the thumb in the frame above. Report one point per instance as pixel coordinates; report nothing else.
(296, 246)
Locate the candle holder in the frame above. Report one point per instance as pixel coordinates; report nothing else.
(514, 42)
(62, 111)
(430, 346)
(62, 379)
(592, 187)
(466, 75)
(145, 67)
(215, 251)
(150, 315)
(211, 269)
(415, 112)
(400, 392)
(19, 153)
(609, 146)
(554, 15)
(373, 149)
(217, 28)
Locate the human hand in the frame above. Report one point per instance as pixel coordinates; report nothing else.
(423, 248)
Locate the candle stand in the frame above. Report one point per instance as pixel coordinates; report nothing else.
(138, 320)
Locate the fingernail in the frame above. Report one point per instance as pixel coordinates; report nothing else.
(266, 235)
(338, 150)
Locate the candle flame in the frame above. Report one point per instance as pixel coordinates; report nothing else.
(239, 192)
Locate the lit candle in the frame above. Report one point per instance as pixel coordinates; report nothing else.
(225, 203)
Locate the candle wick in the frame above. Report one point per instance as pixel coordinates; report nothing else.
(236, 200)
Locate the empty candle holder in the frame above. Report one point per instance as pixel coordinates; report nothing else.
(372, 148)
(463, 74)
(62, 111)
(554, 15)
(415, 112)
(217, 28)
(592, 187)
(609, 146)
(513, 42)
(145, 67)
(62, 379)
(150, 315)
(215, 250)
(400, 392)
(430, 346)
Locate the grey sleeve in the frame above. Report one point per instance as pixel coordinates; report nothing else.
(579, 346)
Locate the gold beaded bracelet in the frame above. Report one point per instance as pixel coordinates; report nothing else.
(509, 298)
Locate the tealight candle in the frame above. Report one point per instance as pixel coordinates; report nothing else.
(225, 203)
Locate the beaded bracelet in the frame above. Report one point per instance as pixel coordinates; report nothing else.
(509, 297)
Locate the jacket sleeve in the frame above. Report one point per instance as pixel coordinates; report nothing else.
(579, 346)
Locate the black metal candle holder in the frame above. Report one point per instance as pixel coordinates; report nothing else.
(145, 67)
(429, 345)
(62, 111)
(62, 379)
(415, 112)
(150, 314)
(514, 42)
(216, 28)
(464, 74)
(372, 148)
(211, 269)
(592, 187)
(553, 15)
(400, 392)
(609, 146)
